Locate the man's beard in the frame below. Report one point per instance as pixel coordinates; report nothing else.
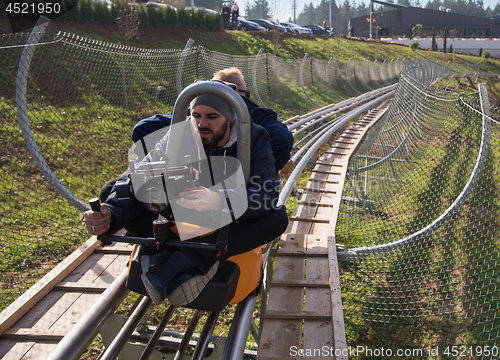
(212, 141)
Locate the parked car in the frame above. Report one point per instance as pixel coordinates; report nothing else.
(246, 25)
(319, 30)
(297, 29)
(281, 28)
(287, 28)
(159, 5)
(203, 10)
(156, 5)
(268, 24)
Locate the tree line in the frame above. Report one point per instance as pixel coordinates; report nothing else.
(342, 12)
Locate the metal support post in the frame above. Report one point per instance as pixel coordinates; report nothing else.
(121, 338)
(156, 335)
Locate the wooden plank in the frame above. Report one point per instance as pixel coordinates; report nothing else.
(44, 314)
(40, 350)
(309, 246)
(325, 181)
(80, 306)
(339, 336)
(13, 349)
(317, 333)
(326, 172)
(320, 190)
(337, 152)
(76, 287)
(301, 283)
(302, 253)
(279, 334)
(297, 315)
(106, 250)
(28, 334)
(343, 142)
(311, 203)
(311, 220)
(27, 300)
(72, 306)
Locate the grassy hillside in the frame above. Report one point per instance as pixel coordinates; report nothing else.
(285, 45)
(241, 43)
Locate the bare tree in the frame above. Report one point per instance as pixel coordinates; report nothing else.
(128, 20)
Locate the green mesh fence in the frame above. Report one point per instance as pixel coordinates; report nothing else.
(78, 99)
(420, 221)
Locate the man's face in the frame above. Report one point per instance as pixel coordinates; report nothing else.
(213, 126)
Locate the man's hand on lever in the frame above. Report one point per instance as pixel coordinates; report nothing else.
(97, 222)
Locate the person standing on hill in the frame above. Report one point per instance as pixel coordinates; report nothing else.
(235, 12)
(325, 26)
(225, 14)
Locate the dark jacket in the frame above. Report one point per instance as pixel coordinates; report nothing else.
(281, 137)
(225, 12)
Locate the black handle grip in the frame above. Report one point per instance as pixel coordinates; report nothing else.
(95, 204)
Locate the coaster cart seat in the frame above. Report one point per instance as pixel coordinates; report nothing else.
(239, 275)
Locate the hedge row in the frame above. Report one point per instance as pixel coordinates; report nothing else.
(99, 13)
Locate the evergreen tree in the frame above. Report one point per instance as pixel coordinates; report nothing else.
(496, 10)
(306, 17)
(260, 9)
(323, 12)
(362, 10)
(433, 44)
(315, 15)
(474, 8)
(444, 39)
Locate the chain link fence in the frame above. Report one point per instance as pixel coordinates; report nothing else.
(68, 105)
(420, 224)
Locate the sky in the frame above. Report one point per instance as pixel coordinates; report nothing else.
(282, 9)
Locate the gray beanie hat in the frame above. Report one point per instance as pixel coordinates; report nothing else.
(217, 103)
